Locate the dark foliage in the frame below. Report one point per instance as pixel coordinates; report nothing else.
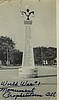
(8, 54)
(44, 54)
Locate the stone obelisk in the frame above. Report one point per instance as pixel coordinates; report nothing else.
(28, 58)
(28, 69)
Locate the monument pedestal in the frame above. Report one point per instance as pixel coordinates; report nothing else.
(28, 72)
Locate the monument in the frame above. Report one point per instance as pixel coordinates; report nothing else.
(28, 69)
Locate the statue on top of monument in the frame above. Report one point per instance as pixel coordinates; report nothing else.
(27, 13)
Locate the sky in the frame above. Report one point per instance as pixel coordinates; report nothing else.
(43, 28)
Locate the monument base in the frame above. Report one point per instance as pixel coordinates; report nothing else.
(28, 72)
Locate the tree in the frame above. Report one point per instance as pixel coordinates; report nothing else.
(51, 55)
(6, 42)
(17, 57)
(6, 45)
(37, 56)
(43, 54)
